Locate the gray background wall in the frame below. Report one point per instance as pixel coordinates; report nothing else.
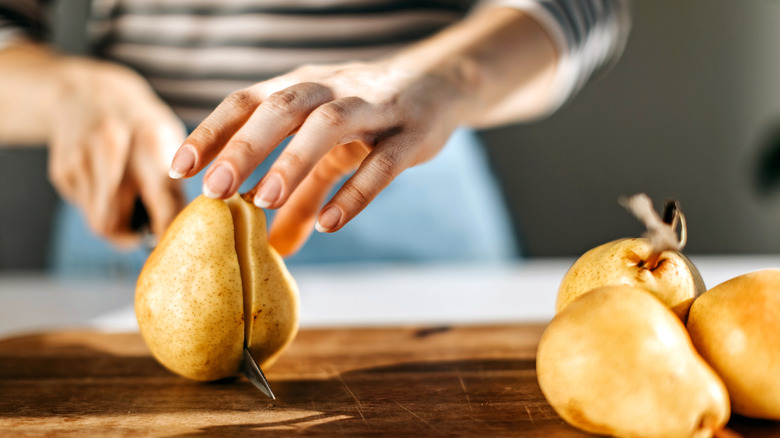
(688, 112)
(691, 111)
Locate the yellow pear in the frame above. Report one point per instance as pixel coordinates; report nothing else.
(654, 262)
(673, 279)
(618, 362)
(736, 327)
(212, 284)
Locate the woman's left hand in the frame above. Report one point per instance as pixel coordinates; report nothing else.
(370, 117)
(376, 119)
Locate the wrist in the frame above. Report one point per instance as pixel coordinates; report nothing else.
(450, 80)
(498, 61)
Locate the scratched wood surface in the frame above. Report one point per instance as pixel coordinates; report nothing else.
(467, 381)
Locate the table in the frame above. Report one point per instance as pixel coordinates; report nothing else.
(411, 381)
(386, 351)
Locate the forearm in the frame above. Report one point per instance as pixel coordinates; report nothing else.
(492, 53)
(28, 92)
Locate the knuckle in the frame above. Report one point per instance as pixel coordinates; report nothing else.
(243, 100)
(282, 103)
(293, 159)
(305, 69)
(242, 147)
(203, 134)
(333, 114)
(357, 194)
(385, 165)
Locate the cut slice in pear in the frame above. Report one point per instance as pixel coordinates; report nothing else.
(211, 284)
(270, 292)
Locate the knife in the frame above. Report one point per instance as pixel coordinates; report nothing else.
(141, 224)
(255, 374)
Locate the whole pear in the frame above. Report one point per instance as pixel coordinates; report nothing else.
(736, 327)
(618, 362)
(669, 275)
(211, 285)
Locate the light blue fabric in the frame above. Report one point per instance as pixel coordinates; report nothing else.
(449, 209)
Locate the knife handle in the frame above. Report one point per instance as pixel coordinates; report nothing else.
(139, 221)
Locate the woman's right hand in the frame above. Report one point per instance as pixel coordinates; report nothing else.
(111, 139)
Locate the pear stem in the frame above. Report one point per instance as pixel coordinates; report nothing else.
(660, 231)
(671, 212)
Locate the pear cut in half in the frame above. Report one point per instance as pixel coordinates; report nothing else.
(213, 285)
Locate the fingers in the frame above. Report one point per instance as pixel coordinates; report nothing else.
(295, 220)
(379, 168)
(325, 127)
(206, 140)
(298, 217)
(104, 169)
(88, 168)
(110, 203)
(243, 131)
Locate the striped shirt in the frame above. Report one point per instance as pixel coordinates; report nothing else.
(195, 52)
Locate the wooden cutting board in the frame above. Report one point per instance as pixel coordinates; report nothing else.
(433, 381)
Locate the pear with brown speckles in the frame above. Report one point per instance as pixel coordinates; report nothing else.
(654, 262)
(616, 361)
(212, 283)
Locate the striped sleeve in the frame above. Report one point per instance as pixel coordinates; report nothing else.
(21, 20)
(590, 36)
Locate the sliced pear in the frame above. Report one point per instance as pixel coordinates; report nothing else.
(212, 283)
(270, 292)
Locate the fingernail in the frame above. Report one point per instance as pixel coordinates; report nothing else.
(183, 162)
(218, 182)
(269, 191)
(328, 219)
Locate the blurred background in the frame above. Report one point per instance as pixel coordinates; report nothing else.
(691, 111)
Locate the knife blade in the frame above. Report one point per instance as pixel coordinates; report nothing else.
(255, 374)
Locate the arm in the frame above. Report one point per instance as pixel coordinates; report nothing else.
(376, 119)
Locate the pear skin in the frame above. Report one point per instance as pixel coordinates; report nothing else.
(617, 361)
(189, 301)
(212, 283)
(674, 280)
(736, 328)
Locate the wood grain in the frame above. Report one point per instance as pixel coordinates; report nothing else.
(431, 381)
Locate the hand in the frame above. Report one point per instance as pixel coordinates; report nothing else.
(374, 119)
(111, 140)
